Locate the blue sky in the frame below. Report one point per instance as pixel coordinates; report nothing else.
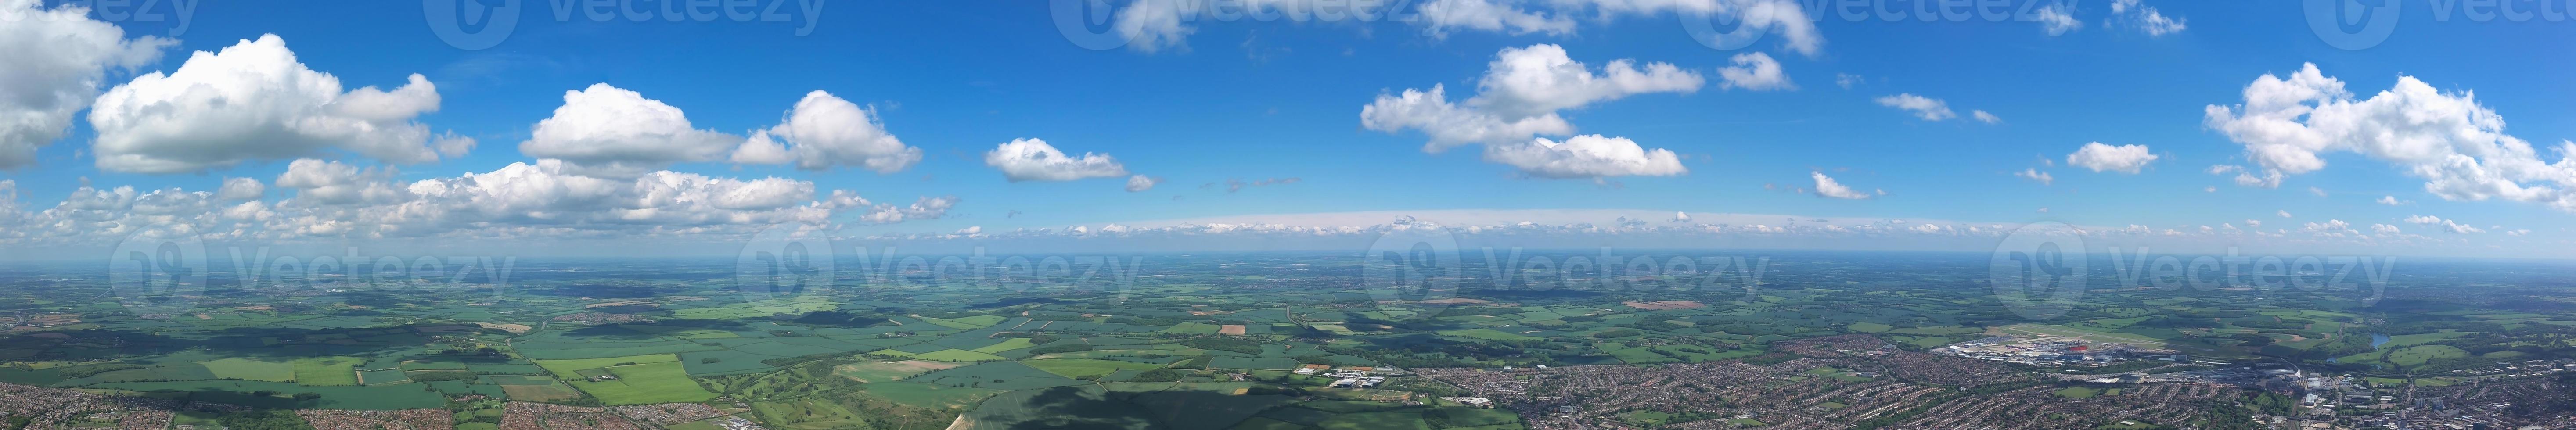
(1249, 100)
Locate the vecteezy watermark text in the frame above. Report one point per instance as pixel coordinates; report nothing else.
(480, 24)
(257, 268)
(785, 263)
(2041, 271)
(179, 13)
(155, 273)
(2363, 24)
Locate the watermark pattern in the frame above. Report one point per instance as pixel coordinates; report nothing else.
(2235, 270)
(1098, 25)
(1933, 10)
(1413, 274)
(2363, 24)
(256, 268)
(784, 264)
(1411, 265)
(156, 275)
(162, 271)
(2348, 25)
(2040, 272)
(177, 14)
(482, 24)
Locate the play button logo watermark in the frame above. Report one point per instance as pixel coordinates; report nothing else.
(471, 24)
(2351, 25)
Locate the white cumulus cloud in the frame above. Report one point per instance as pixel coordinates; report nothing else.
(1443, 16)
(1159, 25)
(1586, 156)
(254, 101)
(2146, 18)
(822, 132)
(58, 59)
(1140, 183)
(2106, 158)
(613, 132)
(1826, 186)
(2056, 19)
(1540, 80)
(1035, 160)
(2034, 174)
(2455, 145)
(1985, 117)
(1927, 108)
(1754, 71)
(241, 189)
(1517, 101)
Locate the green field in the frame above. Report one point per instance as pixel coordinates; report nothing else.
(956, 355)
(569, 369)
(2408, 356)
(1006, 345)
(1487, 334)
(327, 370)
(874, 371)
(638, 384)
(1082, 367)
(930, 396)
(252, 370)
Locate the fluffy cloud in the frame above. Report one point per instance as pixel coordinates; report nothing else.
(58, 59)
(2056, 20)
(2444, 224)
(1035, 160)
(1449, 124)
(823, 132)
(1927, 108)
(2457, 146)
(1586, 156)
(1827, 187)
(1140, 183)
(336, 183)
(2246, 178)
(1157, 25)
(612, 132)
(1518, 97)
(2393, 201)
(2034, 174)
(1517, 101)
(1984, 117)
(1754, 71)
(1490, 15)
(924, 208)
(254, 101)
(2106, 158)
(1541, 79)
(2145, 18)
(241, 189)
(550, 193)
(539, 200)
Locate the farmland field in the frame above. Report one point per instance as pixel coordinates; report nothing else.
(1179, 353)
